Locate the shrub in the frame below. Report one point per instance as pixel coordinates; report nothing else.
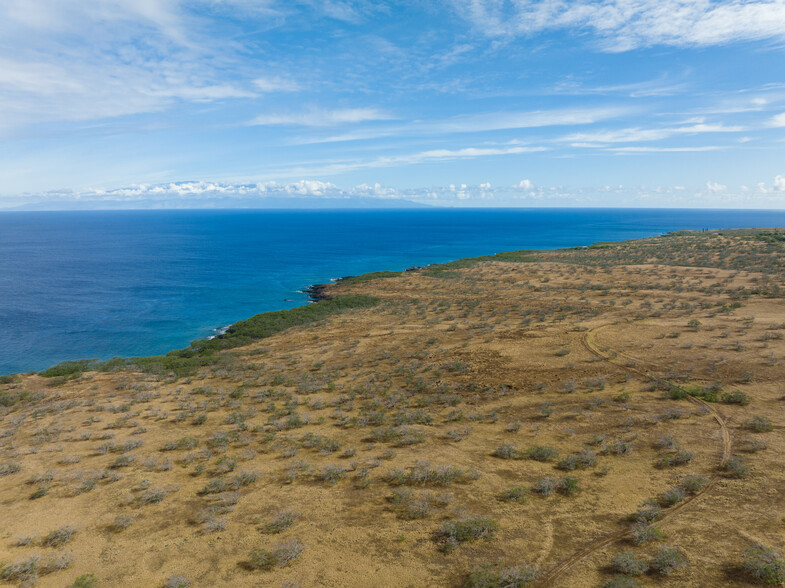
(736, 467)
(278, 557)
(625, 562)
(568, 486)
(152, 496)
(121, 523)
(764, 565)
(280, 522)
(183, 443)
(666, 442)
(177, 582)
(584, 459)
(621, 582)
(85, 581)
(676, 458)
(468, 528)
(58, 537)
(515, 494)
(507, 451)
(758, 424)
(6, 469)
(416, 508)
(23, 571)
(499, 577)
(545, 486)
(673, 496)
(753, 445)
(641, 533)
(667, 560)
(422, 474)
(647, 512)
(331, 474)
(40, 492)
(736, 397)
(694, 483)
(618, 448)
(541, 453)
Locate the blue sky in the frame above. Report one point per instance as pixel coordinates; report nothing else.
(451, 102)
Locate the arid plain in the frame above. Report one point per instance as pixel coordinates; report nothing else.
(602, 415)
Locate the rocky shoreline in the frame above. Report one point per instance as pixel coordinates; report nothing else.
(317, 292)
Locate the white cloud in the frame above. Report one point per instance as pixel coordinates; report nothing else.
(276, 84)
(778, 120)
(779, 183)
(200, 190)
(715, 187)
(622, 25)
(322, 118)
(631, 135)
(665, 149)
(483, 122)
(524, 185)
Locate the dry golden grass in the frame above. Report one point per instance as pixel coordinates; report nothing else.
(299, 460)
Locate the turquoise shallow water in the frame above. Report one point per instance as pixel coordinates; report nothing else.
(101, 284)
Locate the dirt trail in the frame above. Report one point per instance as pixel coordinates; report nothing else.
(589, 342)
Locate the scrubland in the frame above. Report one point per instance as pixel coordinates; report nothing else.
(601, 416)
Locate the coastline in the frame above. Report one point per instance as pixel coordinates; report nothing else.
(320, 293)
(163, 295)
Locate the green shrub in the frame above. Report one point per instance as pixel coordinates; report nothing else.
(647, 512)
(280, 522)
(501, 577)
(568, 486)
(515, 494)
(758, 424)
(621, 581)
(625, 562)
(507, 451)
(673, 496)
(643, 532)
(736, 397)
(736, 467)
(545, 486)
(6, 469)
(58, 537)
(541, 453)
(421, 474)
(764, 565)
(468, 528)
(694, 483)
(584, 459)
(85, 581)
(177, 582)
(668, 560)
(280, 556)
(204, 352)
(675, 458)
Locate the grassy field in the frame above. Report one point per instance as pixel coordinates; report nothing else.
(600, 416)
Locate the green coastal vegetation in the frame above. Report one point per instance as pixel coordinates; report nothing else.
(182, 362)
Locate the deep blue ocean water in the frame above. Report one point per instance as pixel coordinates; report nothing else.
(102, 284)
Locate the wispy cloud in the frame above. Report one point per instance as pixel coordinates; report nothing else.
(276, 84)
(666, 149)
(632, 135)
(481, 122)
(622, 25)
(321, 117)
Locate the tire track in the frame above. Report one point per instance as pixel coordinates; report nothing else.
(588, 341)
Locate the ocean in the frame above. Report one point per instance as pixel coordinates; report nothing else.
(121, 283)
